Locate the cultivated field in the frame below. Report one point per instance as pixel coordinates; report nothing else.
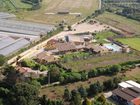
(85, 7)
(105, 60)
(132, 42)
(120, 22)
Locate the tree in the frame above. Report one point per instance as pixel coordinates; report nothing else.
(76, 98)
(67, 95)
(1, 103)
(24, 94)
(86, 102)
(2, 60)
(115, 69)
(69, 28)
(93, 73)
(11, 75)
(83, 92)
(95, 88)
(54, 74)
(102, 99)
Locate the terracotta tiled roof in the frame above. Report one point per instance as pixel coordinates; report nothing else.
(136, 101)
(67, 46)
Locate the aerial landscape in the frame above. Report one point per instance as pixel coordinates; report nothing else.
(69, 52)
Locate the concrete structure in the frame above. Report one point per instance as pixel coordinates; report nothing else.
(10, 45)
(128, 93)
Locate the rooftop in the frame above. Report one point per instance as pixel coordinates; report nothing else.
(67, 46)
(46, 57)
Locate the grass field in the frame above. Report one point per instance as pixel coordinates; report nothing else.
(98, 61)
(85, 7)
(120, 22)
(132, 42)
(104, 35)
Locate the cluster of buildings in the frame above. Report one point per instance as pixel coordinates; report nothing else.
(128, 93)
(15, 35)
(73, 43)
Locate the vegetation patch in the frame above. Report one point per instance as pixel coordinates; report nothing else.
(98, 61)
(132, 42)
(101, 36)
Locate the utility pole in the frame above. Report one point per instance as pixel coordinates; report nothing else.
(49, 77)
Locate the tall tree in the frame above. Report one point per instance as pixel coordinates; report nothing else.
(24, 94)
(67, 95)
(2, 60)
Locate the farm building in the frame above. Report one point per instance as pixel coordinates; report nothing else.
(98, 49)
(43, 57)
(27, 28)
(65, 47)
(28, 72)
(10, 45)
(15, 35)
(128, 93)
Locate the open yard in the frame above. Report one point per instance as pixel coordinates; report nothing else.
(85, 7)
(132, 42)
(120, 22)
(98, 61)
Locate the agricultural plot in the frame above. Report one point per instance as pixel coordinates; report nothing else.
(85, 7)
(101, 36)
(98, 61)
(127, 25)
(128, 8)
(13, 5)
(132, 42)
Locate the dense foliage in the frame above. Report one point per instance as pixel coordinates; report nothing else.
(127, 8)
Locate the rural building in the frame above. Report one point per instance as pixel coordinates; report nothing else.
(128, 93)
(28, 72)
(43, 57)
(9, 45)
(65, 47)
(97, 49)
(27, 28)
(125, 49)
(51, 45)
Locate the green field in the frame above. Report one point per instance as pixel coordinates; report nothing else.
(132, 42)
(85, 7)
(21, 5)
(120, 22)
(101, 36)
(13, 5)
(98, 61)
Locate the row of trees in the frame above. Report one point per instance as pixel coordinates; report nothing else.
(75, 96)
(57, 73)
(127, 8)
(69, 77)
